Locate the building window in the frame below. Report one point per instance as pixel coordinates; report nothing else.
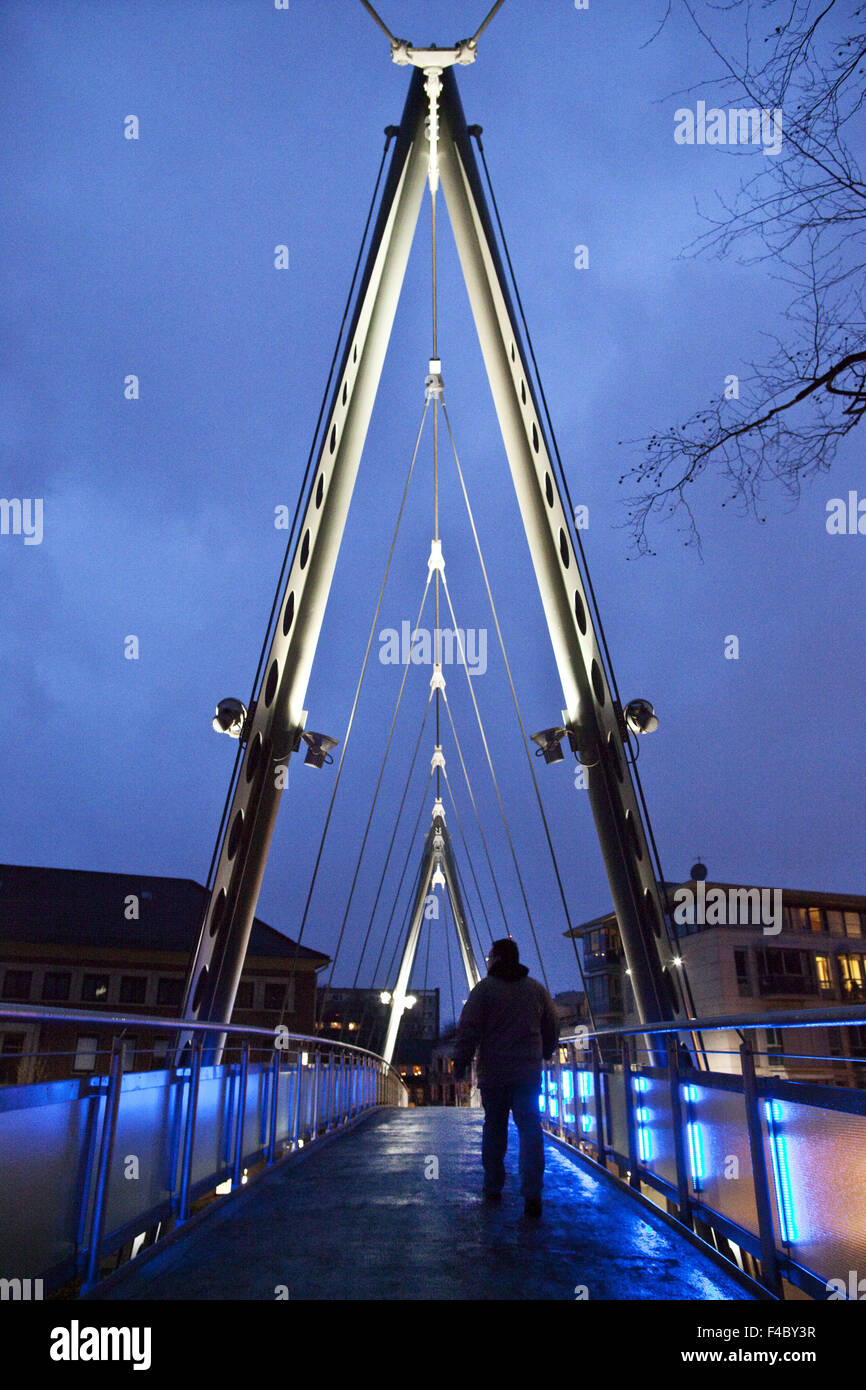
(56, 985)
(245, 995)
(127, 1053)
(11, 1050)
(85, 1054)
(133, 989)
(741, 964)
(835, 923)
(852, 976)
(280, 997)
(857, 1040)
(169, 991)
(784, 972)
(816, 919)
(94, 989)
(797, 918)
(17, 984)
(775, 1047)
(824, 972)
(853, 924)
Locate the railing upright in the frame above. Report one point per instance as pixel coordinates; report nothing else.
(760, 1183)
(106, 1150)
(189, 1128)
(241, 1114)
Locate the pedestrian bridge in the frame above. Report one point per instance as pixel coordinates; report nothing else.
(392, 1210)
(298, 1170)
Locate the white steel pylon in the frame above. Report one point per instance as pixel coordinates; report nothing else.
(592, 718)
(437, 867)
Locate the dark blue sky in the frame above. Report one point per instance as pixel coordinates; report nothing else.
(155, 257)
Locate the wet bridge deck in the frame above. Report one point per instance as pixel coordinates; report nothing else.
(360, 1220)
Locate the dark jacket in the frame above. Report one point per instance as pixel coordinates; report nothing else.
(512, 1021)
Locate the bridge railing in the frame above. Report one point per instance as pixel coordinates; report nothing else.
(770, 1172)
(100, 1166)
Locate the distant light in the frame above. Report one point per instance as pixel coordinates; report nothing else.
(410, 1001)
(385, 997)
(677, 960)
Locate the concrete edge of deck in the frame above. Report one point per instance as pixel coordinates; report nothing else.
(225, 1205)
(582, 1160)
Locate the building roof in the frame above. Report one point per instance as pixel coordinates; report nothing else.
(63, 907)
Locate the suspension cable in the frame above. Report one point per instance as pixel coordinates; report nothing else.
(526, 748)
(393, 838)
(478, 32)
(450, 970)
(495, 782)
(412, 842)
(389, 135)
(375, 800)
(381, 23)
(471, 866)
(349, 728)
(475, 809)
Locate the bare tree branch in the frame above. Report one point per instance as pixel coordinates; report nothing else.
(805, 212)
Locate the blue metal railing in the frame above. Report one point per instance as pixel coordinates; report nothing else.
(95, 1165)
(771, 1172)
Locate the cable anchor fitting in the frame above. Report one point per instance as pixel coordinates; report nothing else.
(433, 382)
(437, 559)
(438, 759)
(437, 680)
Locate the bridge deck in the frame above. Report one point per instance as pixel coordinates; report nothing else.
(360, 1220)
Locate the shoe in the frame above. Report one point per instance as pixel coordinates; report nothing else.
(532, 1206)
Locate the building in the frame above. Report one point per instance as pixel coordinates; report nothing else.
(748, 950)
(361, 1016)
(571, 1008)
(121, 943)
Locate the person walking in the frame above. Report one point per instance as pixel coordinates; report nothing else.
(511, 1020)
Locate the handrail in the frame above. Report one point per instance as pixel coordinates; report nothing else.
(23, 1012)
(778, 1018)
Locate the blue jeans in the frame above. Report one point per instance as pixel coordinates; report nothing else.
(522, 1102)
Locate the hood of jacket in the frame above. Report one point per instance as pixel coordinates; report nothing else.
(503, 971)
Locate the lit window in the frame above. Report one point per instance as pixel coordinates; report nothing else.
(824, 973)
(94, 989)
